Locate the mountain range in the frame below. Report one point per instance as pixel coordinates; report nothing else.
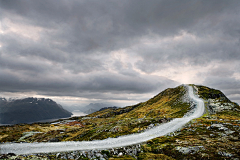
(30, 110)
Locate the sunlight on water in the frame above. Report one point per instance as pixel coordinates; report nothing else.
(77, 113)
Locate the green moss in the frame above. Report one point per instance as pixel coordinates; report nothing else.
(210, 93)
(125, 157)
(136, 118)
(147, 156)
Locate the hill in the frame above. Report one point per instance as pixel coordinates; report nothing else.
(93, 107)
(215, 135)
(114, 107)
(30, 110)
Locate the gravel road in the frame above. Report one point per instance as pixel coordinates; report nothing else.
(166, 128)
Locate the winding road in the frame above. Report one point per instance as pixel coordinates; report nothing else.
(161, 130)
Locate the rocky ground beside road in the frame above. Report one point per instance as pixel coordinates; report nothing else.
(215, 135)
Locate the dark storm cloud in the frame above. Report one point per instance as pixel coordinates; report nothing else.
(229, 85)
(107, 25)
(16, 47)
(187, 53)
(223, 83)
(71, 48)
(78, 85)
(211, 35)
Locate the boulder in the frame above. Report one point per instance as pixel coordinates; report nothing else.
(189, 150)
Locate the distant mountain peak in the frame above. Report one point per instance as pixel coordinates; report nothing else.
(94, 107)
(30, 110)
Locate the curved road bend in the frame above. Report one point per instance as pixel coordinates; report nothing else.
(28, 148)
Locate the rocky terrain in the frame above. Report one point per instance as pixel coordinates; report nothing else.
(215, 135)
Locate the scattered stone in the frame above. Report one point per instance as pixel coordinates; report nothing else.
(27, 134)
(54, 140)
(204, 155)
(220, 127)
(116, 129)
(212, 135)
(189, 150)
(3, 156)
(234, 139)
(178, 141)
(225, 154)
(202, 138)
(229, 132)
(11, 154)
(120, 154)
(58, 155)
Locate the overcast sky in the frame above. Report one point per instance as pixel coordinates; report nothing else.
(117, 51)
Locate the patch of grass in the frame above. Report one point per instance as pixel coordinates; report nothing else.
(125, 157)
(147, 156)
(132, 119)
(198, 133)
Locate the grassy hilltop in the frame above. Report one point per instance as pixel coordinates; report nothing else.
(213, 136)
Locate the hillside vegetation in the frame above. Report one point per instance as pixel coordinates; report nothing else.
(109, 122)
(216, 135)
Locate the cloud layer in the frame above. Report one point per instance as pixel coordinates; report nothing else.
(121, 51)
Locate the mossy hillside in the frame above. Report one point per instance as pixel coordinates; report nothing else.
(210, 93)
(107, 123)
(166, 104)
(147, 156)
(216, 96)
(213, 142)
(137, 118)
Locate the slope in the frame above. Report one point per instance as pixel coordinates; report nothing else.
(113, 142)
(212, 136)
(171, 103)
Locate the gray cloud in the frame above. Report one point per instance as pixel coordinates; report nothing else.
(84, 85)
(117, 49)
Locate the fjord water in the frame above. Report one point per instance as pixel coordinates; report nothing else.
(75, 113)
